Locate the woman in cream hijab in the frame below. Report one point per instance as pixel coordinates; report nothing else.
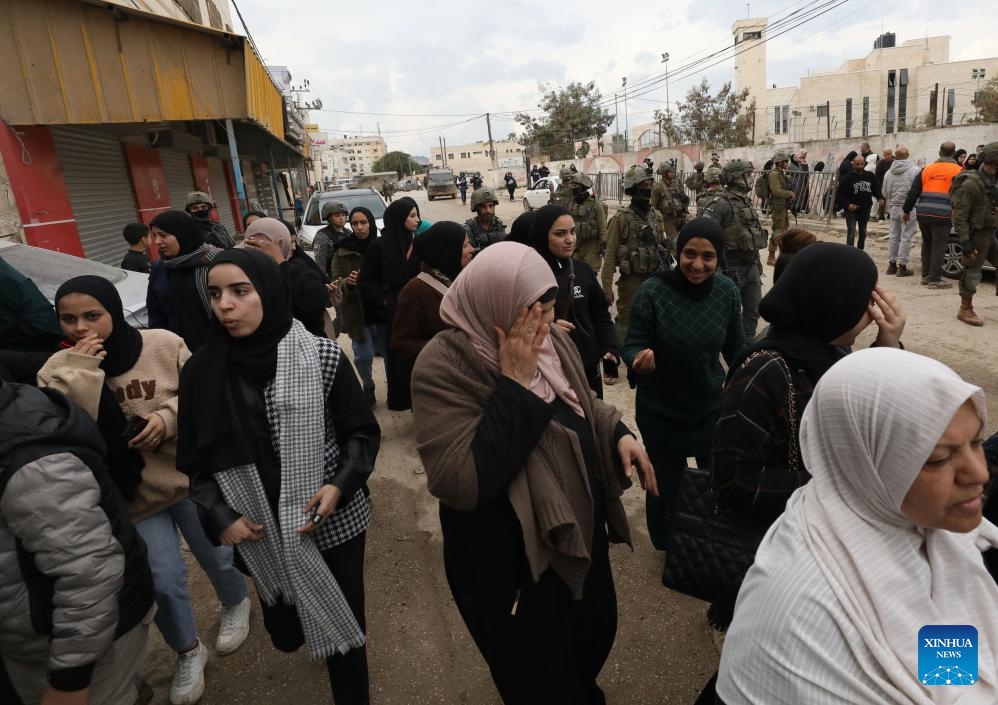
(885, 539)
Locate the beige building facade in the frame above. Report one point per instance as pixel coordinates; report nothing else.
(476, 157)
(893, 89)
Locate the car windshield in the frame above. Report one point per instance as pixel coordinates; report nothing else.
(441, 178)
(371, 201)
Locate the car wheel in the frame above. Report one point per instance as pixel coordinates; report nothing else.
(952, 266)
(526, 205)
(430, 197)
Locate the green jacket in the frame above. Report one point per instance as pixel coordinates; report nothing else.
(480, 238)
(590, 219)
(562, 196)
(779, 189)
(734, 212)
(669, 199)
(635, 243)
(352, 309)
(975, 203)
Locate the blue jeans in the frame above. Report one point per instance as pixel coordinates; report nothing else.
(175, 614)
(363, 354)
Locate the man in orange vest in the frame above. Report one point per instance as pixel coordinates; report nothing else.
(929, 197)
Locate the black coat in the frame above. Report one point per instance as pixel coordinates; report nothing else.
(584, 304)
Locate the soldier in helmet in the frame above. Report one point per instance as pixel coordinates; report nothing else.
(694, 182)
(711, 183)
(563, 194)
(326, 240)
(589, 214)
(669, 199)
(200, 206)
(780, 196)
(485, 228)
(715, 160)
(636, 244)
(744, 236)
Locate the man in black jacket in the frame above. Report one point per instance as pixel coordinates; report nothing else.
(75, 588)
(857, 189)
(886, 159)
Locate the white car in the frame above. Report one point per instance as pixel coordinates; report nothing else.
(351, 198)
(48, 269)
(539, 195)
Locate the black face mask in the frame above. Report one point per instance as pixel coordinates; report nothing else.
(581, 195)
(642, 195)
(201, 215)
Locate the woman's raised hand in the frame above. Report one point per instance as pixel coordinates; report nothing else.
(90, 345)
(520, 348)
(889, 317)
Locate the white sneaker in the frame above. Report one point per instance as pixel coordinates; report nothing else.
(188, 681)
(234, 628)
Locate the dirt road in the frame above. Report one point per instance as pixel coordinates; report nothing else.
(419, 649)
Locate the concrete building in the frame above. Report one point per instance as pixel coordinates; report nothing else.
(475, 156)
(113, 112)
(892, 89)
(354, 156)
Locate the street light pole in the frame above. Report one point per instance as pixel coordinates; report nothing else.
(626, 126)
(978, 74)
(668, 105)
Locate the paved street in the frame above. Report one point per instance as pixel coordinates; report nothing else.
(419, 649)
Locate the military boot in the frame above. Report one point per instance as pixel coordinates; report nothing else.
(967, 313)
(903, 271)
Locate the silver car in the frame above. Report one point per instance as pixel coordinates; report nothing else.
(48, 269)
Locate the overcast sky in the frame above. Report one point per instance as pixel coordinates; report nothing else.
(447, 61)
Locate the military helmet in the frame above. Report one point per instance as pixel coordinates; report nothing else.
(664, 168)
(781, 156)
(331, 207)
(580, 179)
(698, 166)
(564, 172)
(483, 195)
(198, 197)
(988, 155)
(735, 174)
(712, 175)
(715, 157)
(634, 176)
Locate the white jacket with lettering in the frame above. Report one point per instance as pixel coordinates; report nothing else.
(152, 385)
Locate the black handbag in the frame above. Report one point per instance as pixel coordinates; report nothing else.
(712, 547)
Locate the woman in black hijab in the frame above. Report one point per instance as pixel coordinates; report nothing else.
(823, 300)
(519, 231)
(363, 326)
(389, 263)
(177, 298)
(581, 308)
(444, 250)
(279, 441)
(682, 322)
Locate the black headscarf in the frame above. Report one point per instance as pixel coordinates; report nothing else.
(543, 221)
(710, 230)
(356, 244)
(845, 166)
(209, 417)
(441, 247)
(395, 240)
(123, 348)
(182, 226)
(822, 294)
(519, 231)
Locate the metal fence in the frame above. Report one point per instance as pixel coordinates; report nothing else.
(814, 191)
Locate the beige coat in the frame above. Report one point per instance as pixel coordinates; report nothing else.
(451, 387)
(152, 385)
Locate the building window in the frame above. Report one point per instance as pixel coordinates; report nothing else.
(950, 105)
(891, 85)
(464, 155)
(866, 116)
(902, 99)
(848, 117)
(822, 111)
(747, 36)
(450, 156)
(786, 119)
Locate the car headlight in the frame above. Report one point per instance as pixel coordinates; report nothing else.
(304, 244)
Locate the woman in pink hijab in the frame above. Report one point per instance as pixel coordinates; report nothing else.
(529, 467)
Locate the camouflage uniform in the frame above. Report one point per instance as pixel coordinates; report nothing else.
(780, 193)
(563, 194)
(744, 236)
(672, 202)
(590, 227)
(694, 182)
(482, 238)
(975, 217)
(637, 244)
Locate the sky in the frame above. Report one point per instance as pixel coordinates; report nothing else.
(420, 70)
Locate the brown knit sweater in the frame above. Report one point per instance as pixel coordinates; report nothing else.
(551, 496)
(151, 385)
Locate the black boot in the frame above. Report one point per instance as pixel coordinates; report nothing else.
(369, 392)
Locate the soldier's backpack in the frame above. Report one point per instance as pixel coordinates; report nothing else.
(958, 181)
(762, 185)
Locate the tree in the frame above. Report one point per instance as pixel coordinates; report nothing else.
(573, 113)
(986, 102)
(721, 120)
(399, 162)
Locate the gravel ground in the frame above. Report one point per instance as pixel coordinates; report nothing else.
(419, 650)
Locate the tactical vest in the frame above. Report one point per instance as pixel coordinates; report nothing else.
(744, 233)
(481, 239)
(584, 215)
(705, 199)
(642, 249)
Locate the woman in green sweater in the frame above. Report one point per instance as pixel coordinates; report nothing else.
(682, 321)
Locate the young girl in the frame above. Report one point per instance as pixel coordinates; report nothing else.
(114, 372)
(279, 439)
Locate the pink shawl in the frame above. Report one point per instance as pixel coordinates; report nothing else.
(500, 281)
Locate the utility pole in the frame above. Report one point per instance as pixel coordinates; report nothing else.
(446, 163)
(616, 119)
(443, 156)
(828, 118)
(627, 128)
(492, 147)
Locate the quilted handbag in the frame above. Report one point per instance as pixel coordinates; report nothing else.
(712, 547)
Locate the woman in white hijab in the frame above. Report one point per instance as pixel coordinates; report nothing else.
(885, 539)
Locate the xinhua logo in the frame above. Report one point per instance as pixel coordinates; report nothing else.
(947, 654)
